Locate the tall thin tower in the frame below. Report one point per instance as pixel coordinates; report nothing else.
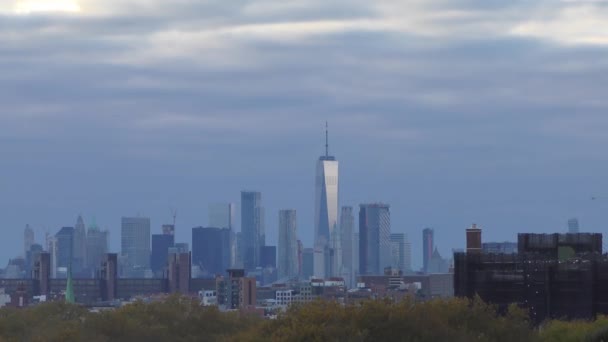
(326, 207)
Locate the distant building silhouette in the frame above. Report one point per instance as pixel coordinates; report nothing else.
(326, 210)
(428, 246)
(211, 250)
(97, 247)
(64, 248)
(28, 239)
(160, 252)
(252, 228)
(573, 226)
(398, 251)
(288, 244)
(80, 246)
(135, 245)
(374, 238)
(347, 227)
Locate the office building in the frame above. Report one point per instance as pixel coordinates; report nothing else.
(326, 208)
(28, 239)
(428, 246)
(178, 273)
(64, 248)
(221, 215)
(160, 252)
(80, 246)
(210, 250)
(474, 239)
(398, 251)
(269, 257)
(573, 226)
(374, 238)
(288, 244)
(135, 244)
(307, 263)
(347, 227)
(97, 247)
(407, 255)
(252, 228)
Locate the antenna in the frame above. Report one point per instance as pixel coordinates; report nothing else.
(326, 140)
(173, 214)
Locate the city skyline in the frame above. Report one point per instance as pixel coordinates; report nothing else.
(451, 112)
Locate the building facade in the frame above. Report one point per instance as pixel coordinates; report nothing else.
(288, 244)
(428, 246)
(211, 250)
(252, 228)
(374, 238)
(135, 244)
(326, 208)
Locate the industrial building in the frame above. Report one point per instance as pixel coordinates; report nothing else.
(553, 276)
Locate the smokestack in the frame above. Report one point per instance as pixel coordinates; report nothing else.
(473, 239)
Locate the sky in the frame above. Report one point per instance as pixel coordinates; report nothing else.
(452, 112)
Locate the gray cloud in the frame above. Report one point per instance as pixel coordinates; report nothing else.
(451, 112)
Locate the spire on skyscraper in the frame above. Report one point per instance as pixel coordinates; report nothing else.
(326, 139)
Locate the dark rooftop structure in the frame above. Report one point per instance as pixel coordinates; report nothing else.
(563, 276)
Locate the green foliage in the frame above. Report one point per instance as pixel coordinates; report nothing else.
(184, 319)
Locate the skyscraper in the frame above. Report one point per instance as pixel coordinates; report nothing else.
(221, 215)
(347, 226)
(573, 225)
(28, 239)
(407, 254)
(288, 244)
(210, 250)
(135, 243)
(97, 247)
(374, 238)
(160, 252)
(65, 245)
(326, 206)
(428, 245)
(398, 251)
(80, 246)
(252, 228)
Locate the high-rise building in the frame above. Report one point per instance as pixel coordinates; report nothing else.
(97, 247)
(347, 227)
(252, 228)
(160, 252)
(428, 245)
(326, 208)
(474, 239)
(221, 215)
(64, 249)
(269, 257)
(374, 238)
(80, 246)
(573, 226)
(398, 251)
(28, 239)
(210, 250)
(135, 244)
(288, 244)
(307, 263)
(407, 254)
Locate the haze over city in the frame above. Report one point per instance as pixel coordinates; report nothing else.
(451, 112)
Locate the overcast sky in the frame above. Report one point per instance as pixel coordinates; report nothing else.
(453, 112)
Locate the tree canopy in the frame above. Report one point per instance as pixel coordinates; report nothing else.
(184, 319)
